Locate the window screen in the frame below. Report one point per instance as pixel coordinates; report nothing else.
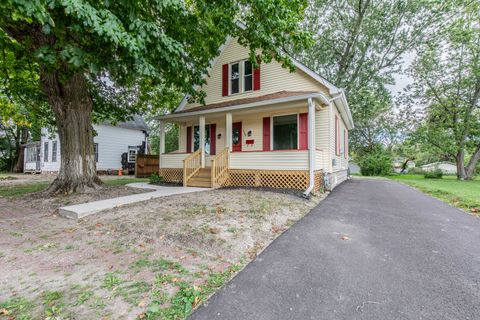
(285, 132)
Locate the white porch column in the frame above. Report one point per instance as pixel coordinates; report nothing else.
(202, 140)
(311, 145)
(161, 126)
(228, 131)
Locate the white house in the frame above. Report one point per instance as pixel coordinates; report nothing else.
(260, 127)
(445, 166)
(110, 142)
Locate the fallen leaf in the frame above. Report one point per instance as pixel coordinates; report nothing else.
(162, 237)
(141, 316)
(4, 312)
(196, 301)
(345, 238)
(175, 279)
(214, 230)
(474, 210)
(142, 304)
(276, 229)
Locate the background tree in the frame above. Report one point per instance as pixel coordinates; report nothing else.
(166, 45)
(447, 85)
(360, 45)
(23, 107)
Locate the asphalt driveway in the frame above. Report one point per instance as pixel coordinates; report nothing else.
(374, 249)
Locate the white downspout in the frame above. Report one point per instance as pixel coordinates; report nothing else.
(311, 147)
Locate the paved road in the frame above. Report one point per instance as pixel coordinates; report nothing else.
(408, 256)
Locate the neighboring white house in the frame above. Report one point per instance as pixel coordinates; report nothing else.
(444, 166)
(110, 142)
(259, 127)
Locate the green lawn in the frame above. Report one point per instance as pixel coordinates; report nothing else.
(21, 189)
(461, 194)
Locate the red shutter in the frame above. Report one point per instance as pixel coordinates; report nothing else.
(303, 131)
(266, 134)
(225, 80)
(256, 77)
(189, 139)
(213, 139)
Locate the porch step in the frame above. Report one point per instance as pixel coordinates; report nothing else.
(201, 179)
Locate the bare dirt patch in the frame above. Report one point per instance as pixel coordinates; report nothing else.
(155, 259)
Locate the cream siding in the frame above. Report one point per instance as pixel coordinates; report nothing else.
(172, 160)
(340, 162)
(275, 160)
(273, 78)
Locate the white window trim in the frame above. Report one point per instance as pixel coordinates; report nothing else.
(128, 154)
(46, 147)
(241, 82)
(298, 129)
(55, 143)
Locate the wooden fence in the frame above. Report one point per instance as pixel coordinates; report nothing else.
(145, 165)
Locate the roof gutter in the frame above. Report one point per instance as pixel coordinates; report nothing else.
(319, 96)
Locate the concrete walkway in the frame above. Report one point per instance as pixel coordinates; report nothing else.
(374, 249)
(81, 210)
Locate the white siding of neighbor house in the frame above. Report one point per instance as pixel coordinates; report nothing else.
(273, 78)
(112, 142)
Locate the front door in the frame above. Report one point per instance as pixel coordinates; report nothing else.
(237, 136)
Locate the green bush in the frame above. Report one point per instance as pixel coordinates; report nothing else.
(375, 163)
(155, 178)
(436, 174)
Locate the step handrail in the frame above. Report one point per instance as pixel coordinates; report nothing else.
(191, 165)
(219, 170)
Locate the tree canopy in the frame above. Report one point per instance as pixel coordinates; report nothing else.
(84, 51)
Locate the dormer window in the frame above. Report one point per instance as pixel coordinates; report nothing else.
(240, 77)
(234, 78)
(247, 76)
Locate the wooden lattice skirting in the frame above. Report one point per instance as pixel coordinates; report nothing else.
(282, 179)
(174, 175)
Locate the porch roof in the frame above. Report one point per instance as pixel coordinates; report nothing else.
(268, 99)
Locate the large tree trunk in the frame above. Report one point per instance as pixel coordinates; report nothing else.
(20, 152)
(72, 105)
(460, 160)
(472, 164)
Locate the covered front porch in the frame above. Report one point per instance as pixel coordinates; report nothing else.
(269, 145)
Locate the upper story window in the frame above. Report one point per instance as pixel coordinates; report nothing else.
(234, 78)
(241, 77)
(247, 76)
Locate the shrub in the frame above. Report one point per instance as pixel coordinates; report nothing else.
(375, 163)
(435, 174)
(155, 178)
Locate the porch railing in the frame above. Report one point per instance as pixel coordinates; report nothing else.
(220, 168)
(191, 165)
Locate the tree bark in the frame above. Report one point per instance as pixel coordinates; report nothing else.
(20, 152)
(72, 105)
(472, 164)
(460, 160)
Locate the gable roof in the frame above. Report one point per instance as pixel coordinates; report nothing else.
(136, 123)
(338, 94)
